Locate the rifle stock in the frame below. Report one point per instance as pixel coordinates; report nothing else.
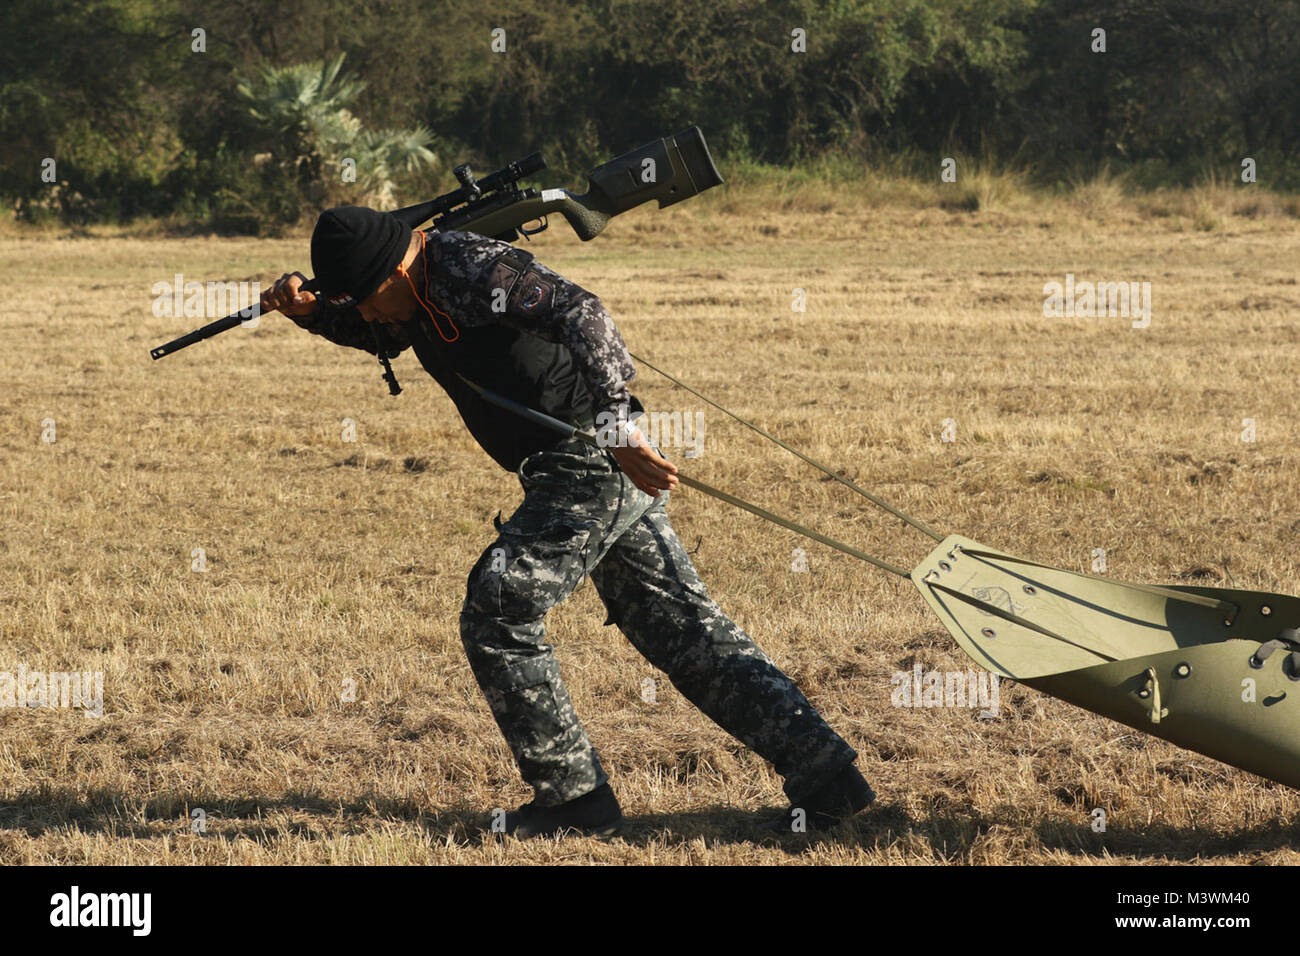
(669, 170)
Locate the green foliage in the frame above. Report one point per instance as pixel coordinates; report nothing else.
(311, 138)
(70, 90)
(252, 131)
(305, 103)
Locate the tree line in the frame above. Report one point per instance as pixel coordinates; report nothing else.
(243, 115)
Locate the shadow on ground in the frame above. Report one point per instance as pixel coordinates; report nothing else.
(937, 837)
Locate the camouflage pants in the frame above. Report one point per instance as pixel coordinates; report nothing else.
(580, 516)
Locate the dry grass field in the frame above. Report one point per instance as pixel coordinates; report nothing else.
(330, 562)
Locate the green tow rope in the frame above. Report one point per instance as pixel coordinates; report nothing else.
(572, 431)
(794, 451)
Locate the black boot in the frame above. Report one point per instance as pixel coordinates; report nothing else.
(844, 795)
(593, 814)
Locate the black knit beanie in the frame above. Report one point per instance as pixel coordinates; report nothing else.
(353, 250)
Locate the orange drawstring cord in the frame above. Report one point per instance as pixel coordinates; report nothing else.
(426, 305)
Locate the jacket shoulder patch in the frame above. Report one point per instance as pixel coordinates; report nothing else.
(504, 276)
(532, 294)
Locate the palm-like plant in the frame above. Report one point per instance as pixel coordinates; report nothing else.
(303, 96)
(304, 110)
(383, 155)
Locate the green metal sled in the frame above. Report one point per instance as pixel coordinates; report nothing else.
(1192, 665)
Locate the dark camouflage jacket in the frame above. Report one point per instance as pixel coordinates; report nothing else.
(506, 322)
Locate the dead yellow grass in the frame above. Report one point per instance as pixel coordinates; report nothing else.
(331, 561)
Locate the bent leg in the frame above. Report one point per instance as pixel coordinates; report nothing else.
(516, 581)
(574, 504)
(652, 592)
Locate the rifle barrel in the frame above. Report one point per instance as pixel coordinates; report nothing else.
(214, 328)
(198, 335)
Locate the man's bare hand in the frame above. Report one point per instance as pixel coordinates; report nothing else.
(286, 296)
(646, 469)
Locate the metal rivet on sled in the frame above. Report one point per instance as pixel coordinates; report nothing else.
(1144, 693)
(945, 566)
(1183, 670)
(1030, 589)
(988, 632)
(1266, 610)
